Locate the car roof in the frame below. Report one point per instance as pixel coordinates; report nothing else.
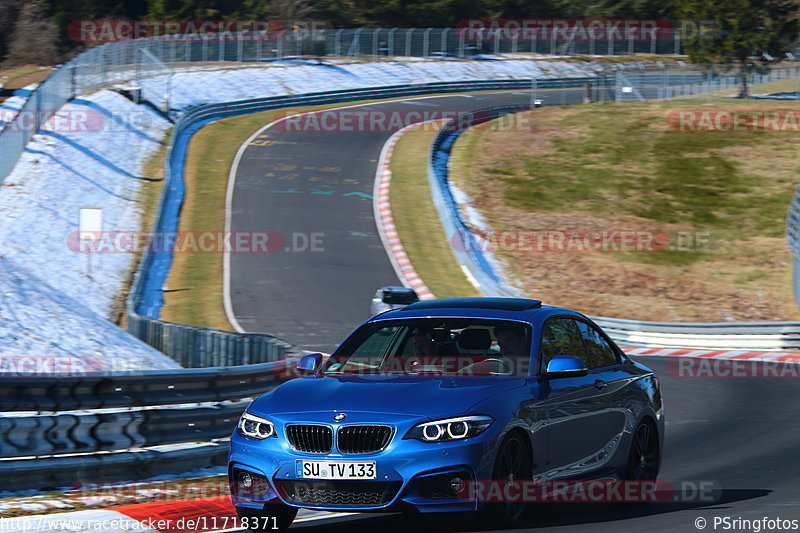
(520, 309)
(501, 304)
(397, 289)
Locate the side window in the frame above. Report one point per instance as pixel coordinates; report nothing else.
(560, 337)
(598, 352)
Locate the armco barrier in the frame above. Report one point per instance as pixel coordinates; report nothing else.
(468, 250)
(56, 431)
(70, 470)
(139, 389)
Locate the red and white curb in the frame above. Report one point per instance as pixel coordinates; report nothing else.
(383, 217)
(735, 355)
(201, 514)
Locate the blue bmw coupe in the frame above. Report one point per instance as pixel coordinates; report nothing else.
(419, 403)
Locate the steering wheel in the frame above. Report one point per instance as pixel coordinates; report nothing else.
(502, 363)
(486, 362)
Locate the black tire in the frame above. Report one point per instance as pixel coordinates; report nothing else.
(643, 458)
(513, 463)
(272, 518)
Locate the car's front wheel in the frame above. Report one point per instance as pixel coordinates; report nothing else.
(513, 464)
(275, 517)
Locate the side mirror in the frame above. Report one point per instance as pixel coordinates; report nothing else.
(309, 363)
(565, 366)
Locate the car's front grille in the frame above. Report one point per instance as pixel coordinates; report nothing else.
(340, 493)
(363, 439)
(311, 438)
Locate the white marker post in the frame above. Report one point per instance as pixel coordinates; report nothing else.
(90, 227)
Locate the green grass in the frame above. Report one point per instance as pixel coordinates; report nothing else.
(417, 221)
(653, 173)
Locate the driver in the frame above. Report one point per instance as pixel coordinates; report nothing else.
(424, 343)
(511, 340)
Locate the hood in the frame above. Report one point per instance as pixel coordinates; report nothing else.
(419, 396)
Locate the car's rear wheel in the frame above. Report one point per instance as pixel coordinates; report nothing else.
(513, 463)
(275, 517)
(643, 460)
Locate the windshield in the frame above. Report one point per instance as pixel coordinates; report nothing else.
(457, 346)
(400, 298)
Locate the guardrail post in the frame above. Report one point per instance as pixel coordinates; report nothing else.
(426, 42)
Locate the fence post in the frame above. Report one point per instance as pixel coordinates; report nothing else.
(73, 87)
(390, 45)
(426, 42)
(375, 44)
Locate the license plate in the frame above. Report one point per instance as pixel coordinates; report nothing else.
(336, 470)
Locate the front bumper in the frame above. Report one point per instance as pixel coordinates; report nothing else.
(409, 474)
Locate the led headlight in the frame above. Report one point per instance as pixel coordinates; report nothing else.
(256, 427)
(450, 429)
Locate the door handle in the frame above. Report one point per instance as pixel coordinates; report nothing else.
(600, 384)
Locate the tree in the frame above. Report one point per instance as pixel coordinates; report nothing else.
(35, 36)
(9, 13)
(743, 34)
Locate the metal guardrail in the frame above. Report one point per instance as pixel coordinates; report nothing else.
(56, 431)
(766, 336)
(469, 252)
(793, 239)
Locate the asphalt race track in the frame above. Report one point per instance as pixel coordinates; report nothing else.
(738, 435)
(309, 185)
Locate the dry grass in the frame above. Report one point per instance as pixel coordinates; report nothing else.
(596, 167)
